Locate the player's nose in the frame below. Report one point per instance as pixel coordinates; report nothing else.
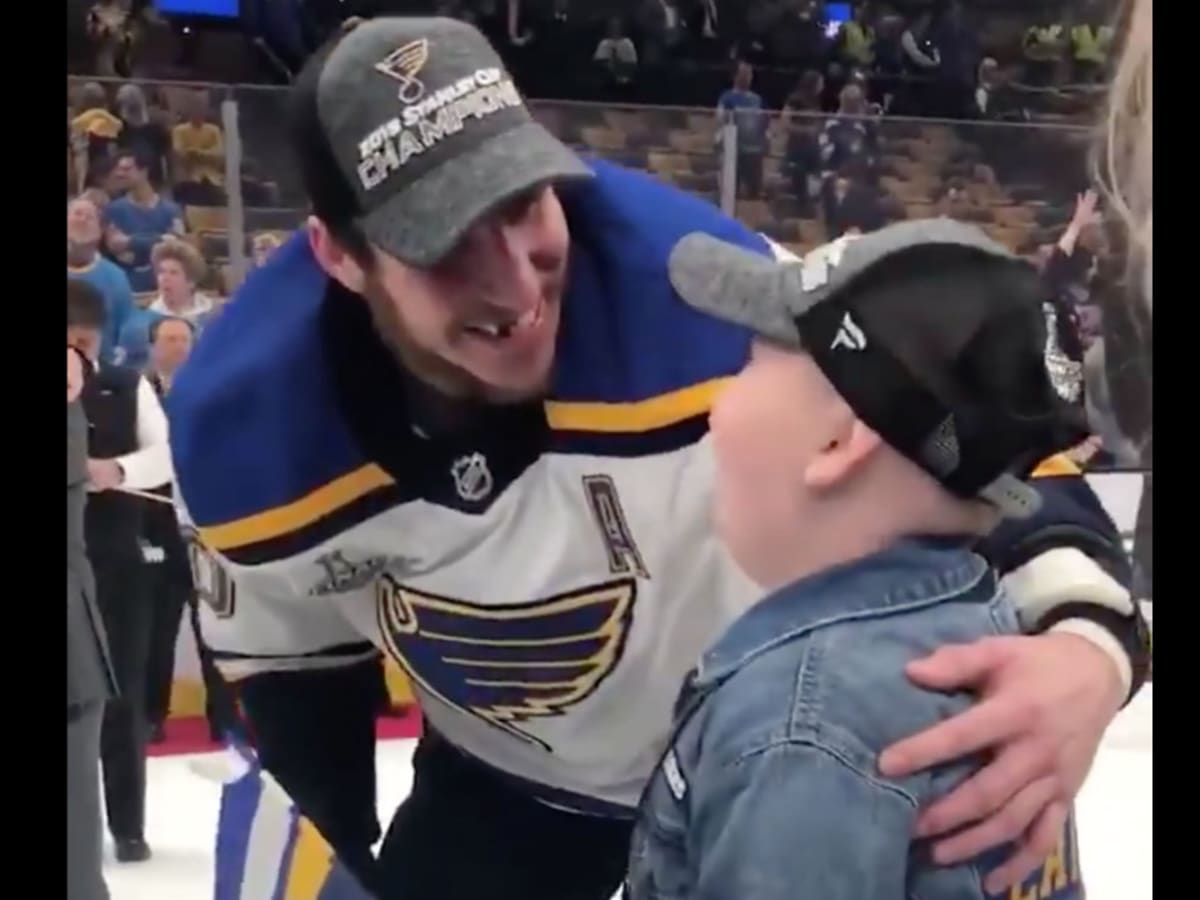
(513, 269)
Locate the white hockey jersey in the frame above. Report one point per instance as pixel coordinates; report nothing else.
(547, 576)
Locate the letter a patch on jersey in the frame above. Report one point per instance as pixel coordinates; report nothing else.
(507, 664)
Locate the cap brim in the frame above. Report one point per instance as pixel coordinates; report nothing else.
(736, 285)
(423, 223)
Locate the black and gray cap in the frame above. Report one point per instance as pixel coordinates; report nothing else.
(933, 333)
(412, 128)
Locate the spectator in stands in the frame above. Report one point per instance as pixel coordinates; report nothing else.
(850, 205)
(987, 86)
(707, 34)
(93, 132)
(888, 71)
(142, 135)
(200, 156)
(262, 246)
(85, 263)
(99, 196)
(663, 30)
(138, 221)
(802, 158)
(1044, 46)
(796, 34)
(110, 29)
(744, 108)
(547, 42)
(616, 57)
(856, 39)
(921, 56)
(850, 136)
(1071, 270)
(957, 45)
(807, 96)
(1091, 43)
(178, 268)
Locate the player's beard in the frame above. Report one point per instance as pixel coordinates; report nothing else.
(428, 366)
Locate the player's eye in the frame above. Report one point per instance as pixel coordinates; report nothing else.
(520, 206)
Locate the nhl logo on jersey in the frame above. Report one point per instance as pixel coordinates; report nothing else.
(472, 477)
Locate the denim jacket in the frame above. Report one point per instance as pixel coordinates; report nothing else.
(770, 787)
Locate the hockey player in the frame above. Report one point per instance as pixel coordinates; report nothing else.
(771, 786)
(460, 419)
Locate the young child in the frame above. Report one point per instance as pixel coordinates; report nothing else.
(903, 413)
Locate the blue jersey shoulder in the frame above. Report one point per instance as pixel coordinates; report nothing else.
(627, 337)
(254, 425)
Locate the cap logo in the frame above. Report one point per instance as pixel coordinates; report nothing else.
(404, 65)
(435, 115)
(849, 336)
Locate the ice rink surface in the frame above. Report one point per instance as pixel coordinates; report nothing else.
(1114, 818)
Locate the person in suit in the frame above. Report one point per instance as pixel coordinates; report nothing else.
(90, 678)
(127, 451)
(170, 574)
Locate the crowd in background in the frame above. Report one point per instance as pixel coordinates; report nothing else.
(818, 115)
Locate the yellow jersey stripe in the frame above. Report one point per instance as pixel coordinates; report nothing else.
(1057, 465)
(295, 515)
(311, 861)
(641, 415)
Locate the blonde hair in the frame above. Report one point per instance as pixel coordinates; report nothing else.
(1128, 143)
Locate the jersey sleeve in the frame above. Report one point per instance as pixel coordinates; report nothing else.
(253, 623)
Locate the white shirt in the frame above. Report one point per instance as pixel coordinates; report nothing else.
(149, 466)
(202, 305)
(619, 49)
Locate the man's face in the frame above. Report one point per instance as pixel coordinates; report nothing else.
(172, 344)
(84, 339)
(126, 173)
(743, 77)
(172, 279)
(83, 224)
(765, 426)
(483, 322)
(852, 100)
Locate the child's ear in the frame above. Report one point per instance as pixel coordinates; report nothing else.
(841, 456)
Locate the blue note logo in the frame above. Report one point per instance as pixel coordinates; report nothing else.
(508, 665)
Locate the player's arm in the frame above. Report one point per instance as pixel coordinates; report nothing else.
(309, 687)
(1067, 570)
(793, 820)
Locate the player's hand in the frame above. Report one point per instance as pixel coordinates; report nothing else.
(104, 474)
(1043, 705)
(74, 375)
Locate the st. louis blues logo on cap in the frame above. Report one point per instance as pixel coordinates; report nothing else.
(404, 65)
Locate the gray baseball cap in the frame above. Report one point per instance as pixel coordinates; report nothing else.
(933, 333)
(412, 128)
